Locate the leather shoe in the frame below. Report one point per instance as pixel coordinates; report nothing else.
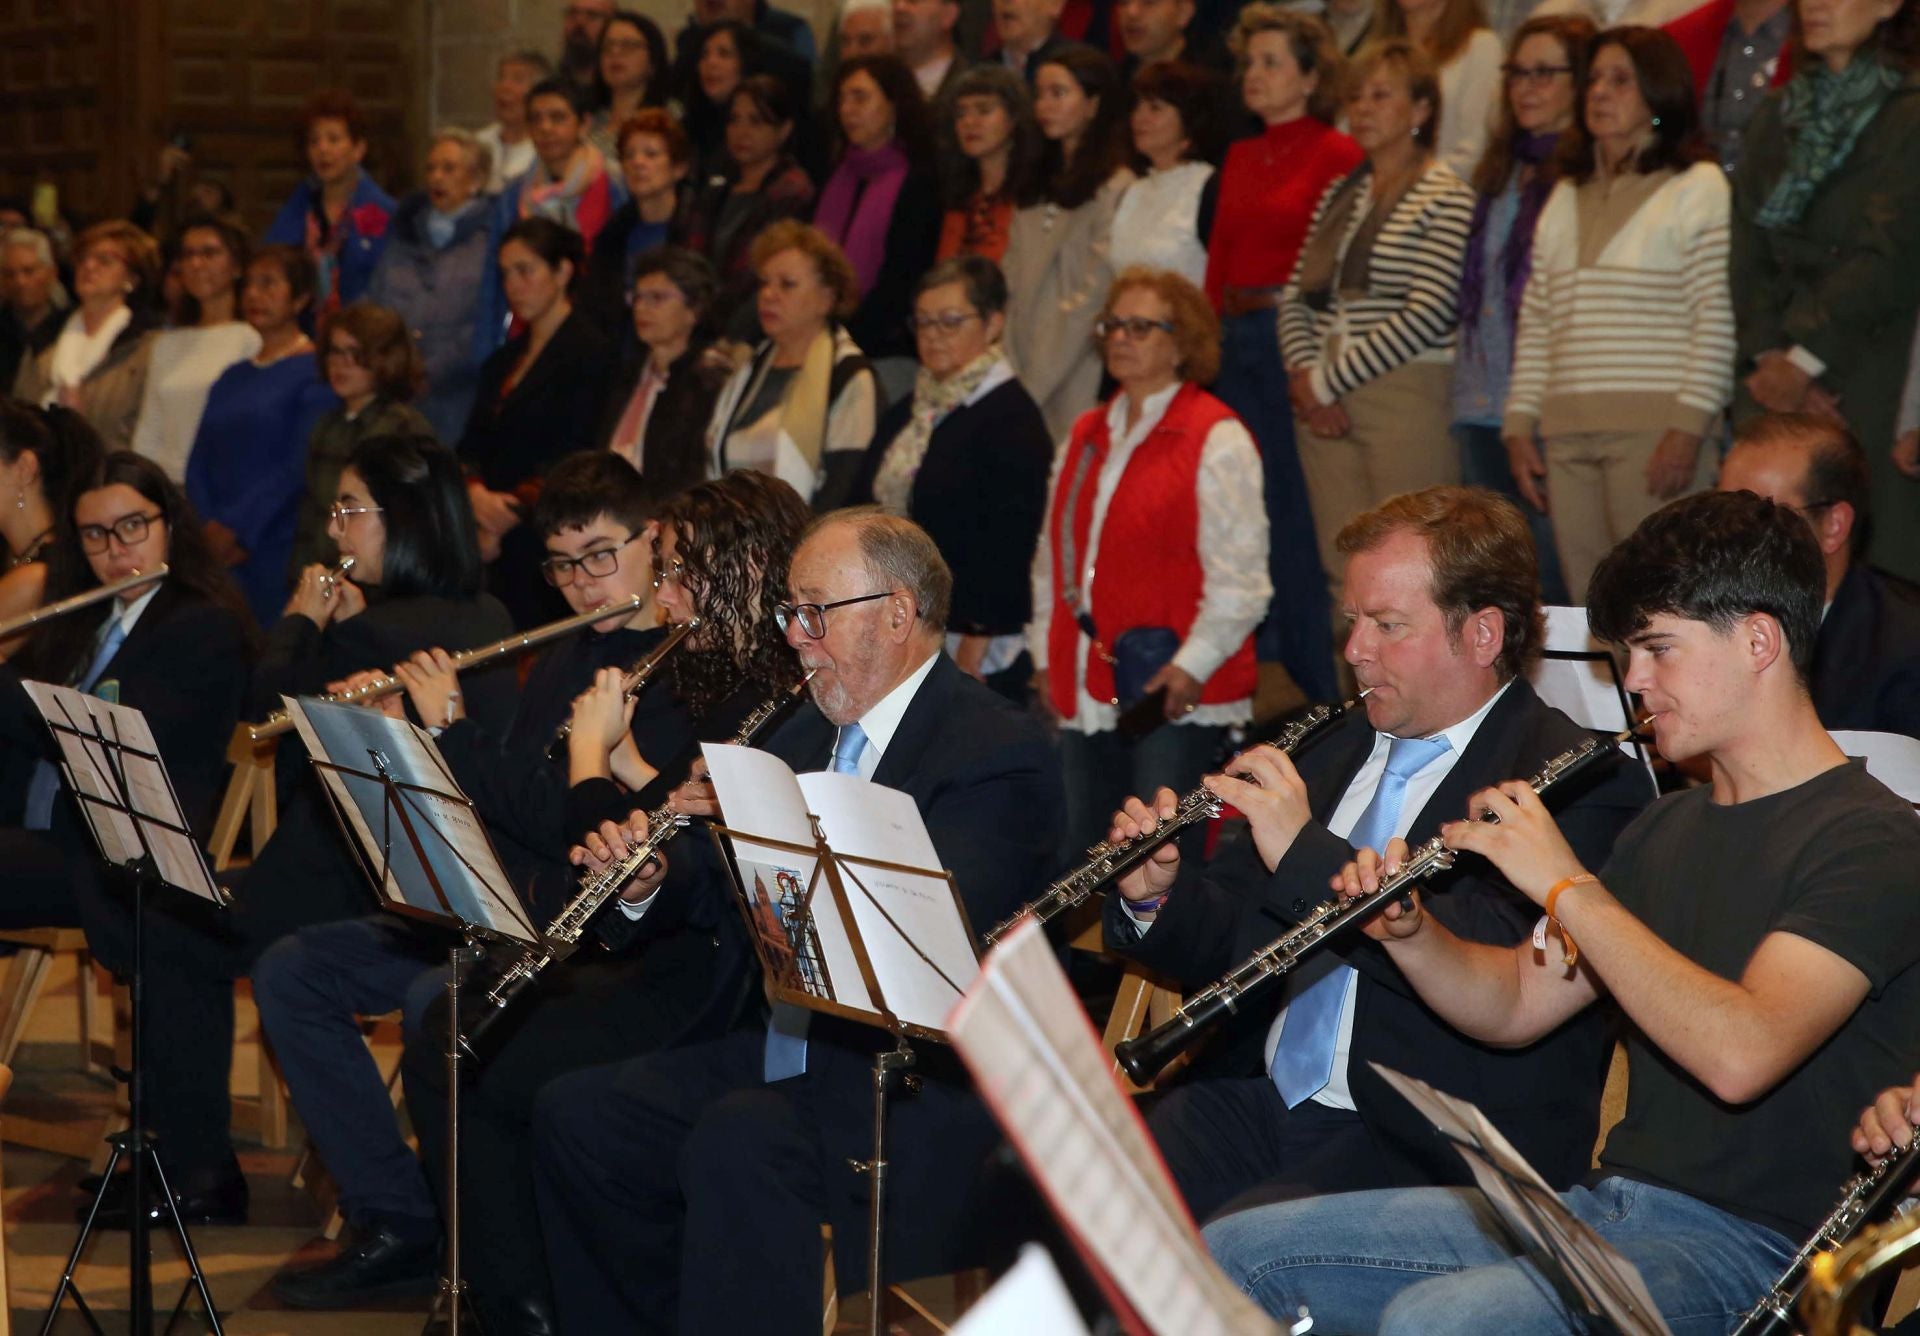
(216, 1201)
(381, 1264)
(525, 1315)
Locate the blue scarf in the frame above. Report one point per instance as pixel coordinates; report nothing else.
(1824, 115)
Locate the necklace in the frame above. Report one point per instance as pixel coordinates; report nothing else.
(31, 552)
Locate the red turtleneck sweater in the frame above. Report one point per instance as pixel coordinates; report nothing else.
(1268, 190)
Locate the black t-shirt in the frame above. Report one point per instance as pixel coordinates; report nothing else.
(1831, 860)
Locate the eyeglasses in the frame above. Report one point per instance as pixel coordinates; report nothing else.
(339, 514)
(813, 616)
(356, 356)
(674, 572)
(1534, 74)
(131, 530)
(947, 322)
(602, 562)
(1136, 326)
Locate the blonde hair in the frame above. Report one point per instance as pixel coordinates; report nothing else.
(1314, 48)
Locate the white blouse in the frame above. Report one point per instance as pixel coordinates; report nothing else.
(183, 366)
(1158, 222)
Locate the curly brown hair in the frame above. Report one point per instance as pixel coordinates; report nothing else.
(1196, 329)
(829, 261)
(734, 537)
(139, 252)
(386, 347)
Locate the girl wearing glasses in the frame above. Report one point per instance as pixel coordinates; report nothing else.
(1153, 569)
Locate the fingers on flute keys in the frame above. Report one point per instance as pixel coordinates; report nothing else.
(1135, 818)
(1888, 1122)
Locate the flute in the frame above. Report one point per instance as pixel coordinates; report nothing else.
(562, 937)
(637, 677)
(1146, 1056)
(1107, 860)
(330, 580)
(26, 621)
(281, 722)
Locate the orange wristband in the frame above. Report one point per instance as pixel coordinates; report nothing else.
(1569, 949)
(1553, 892)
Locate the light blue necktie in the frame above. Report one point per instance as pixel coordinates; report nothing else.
(1303, 1059)
(44, 787)
(786, 1050)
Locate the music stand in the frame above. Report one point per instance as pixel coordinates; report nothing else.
(112, 766)
(441, 869)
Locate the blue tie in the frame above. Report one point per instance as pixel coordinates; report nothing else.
(1303, 1059)
(786, 1051)
(44, 786)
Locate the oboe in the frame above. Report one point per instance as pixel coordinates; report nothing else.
(637, 677)
(562, 937)
(1145, 1057)
(1107, 860)
(281, 722)
(1867, 1198)
(26, 621)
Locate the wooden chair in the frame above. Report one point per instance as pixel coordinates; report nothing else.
(22, 984)
(6, 1315)
(249, 799)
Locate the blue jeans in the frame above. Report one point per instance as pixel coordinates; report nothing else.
(1436, 1261)
(310, 988)
(1483, 463)
(1102, 770)
(1298, 631)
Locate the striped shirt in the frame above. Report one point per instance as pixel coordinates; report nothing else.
(1406, 311)
(1627, 320)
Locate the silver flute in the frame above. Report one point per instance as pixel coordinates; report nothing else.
(26, 621)
(330, 580)
(1867, 1198)
(1146, 1056)
(562, 937)
(1108, 859)
(637, 677)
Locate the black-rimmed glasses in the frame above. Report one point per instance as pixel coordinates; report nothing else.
(813, 616)
(599, 563)
(131, 530)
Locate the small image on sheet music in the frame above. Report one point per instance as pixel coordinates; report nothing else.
(775, 895)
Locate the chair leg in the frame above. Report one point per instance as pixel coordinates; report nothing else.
(26, 975)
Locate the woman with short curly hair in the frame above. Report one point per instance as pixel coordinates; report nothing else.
(337, 214)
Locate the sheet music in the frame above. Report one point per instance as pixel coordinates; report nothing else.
(459, 857)
(97, 773)
(1030, 1297)
(1035, 1059)
(1609, 1282)
(1588, 691)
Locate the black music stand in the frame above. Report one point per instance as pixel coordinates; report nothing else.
(442, 869)
(110, 764)
(796, 951)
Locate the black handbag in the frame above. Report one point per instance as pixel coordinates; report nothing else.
(1139, 654)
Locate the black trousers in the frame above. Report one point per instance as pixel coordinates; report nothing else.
(586, 1012)
(37, 875)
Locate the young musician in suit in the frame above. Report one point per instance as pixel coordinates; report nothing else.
(179, 653)
(595, 517)
(722, 550)
(686, 1190)
(1443, 599)
(1760, 932)
(1866, 663)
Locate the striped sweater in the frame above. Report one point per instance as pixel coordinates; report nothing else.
(1627, 320)
(1407, 311)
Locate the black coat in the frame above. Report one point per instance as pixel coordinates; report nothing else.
(988, 785)
(550, 413)
(1866, 662)
(1545, 1098)
(981, 492)
(673, 454)
(879, 322)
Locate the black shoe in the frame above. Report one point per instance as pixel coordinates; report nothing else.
(216, 1201)
(525, 1316)
(380, 1265)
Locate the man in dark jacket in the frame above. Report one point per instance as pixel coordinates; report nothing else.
(1866, 663)
(34, 302)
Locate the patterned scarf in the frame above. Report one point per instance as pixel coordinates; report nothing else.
(1516, 252)
(1824, 114)
(559, 200)
(932, 401)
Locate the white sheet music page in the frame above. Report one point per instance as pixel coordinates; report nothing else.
(1039, 1066)
(1031, 1297)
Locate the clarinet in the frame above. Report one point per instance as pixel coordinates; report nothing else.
(562, 937)
(1867, 1197)
(636, 677)
(1144, 1057)
(1107, 860)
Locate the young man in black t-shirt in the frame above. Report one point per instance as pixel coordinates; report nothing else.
(1760, 934)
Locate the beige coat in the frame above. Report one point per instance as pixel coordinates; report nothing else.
(111, 395)
(1057, 278)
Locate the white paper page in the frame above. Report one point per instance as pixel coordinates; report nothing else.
(1589, 692)
(1038, 1064)
(758, 795)
(1030, 1298)
(862, 819)
(1892, 758)
(457, 852)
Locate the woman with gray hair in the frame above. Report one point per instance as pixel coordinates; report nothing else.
(966, 457)
(438, 273)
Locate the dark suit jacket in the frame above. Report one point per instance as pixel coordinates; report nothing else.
(988, 785)
(1546, 1098)
(981, 492)
(673, 453)
(1866, 662)
(551, 413)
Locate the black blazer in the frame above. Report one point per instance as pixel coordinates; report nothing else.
(550, 414)
(1866, 661)
(981, 492)
(1545, 1098)
(673, 453)
(988, 785)
(879, 323)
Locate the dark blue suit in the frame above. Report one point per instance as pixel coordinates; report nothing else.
(681, 1192)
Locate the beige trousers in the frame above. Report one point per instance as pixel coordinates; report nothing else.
(1597, 488)
(1399, 443)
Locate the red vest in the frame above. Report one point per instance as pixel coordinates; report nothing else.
(1699, 31)
(1149, 571)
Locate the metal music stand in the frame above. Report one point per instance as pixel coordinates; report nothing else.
(429, 858)
(782, 927)
(111, 766)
